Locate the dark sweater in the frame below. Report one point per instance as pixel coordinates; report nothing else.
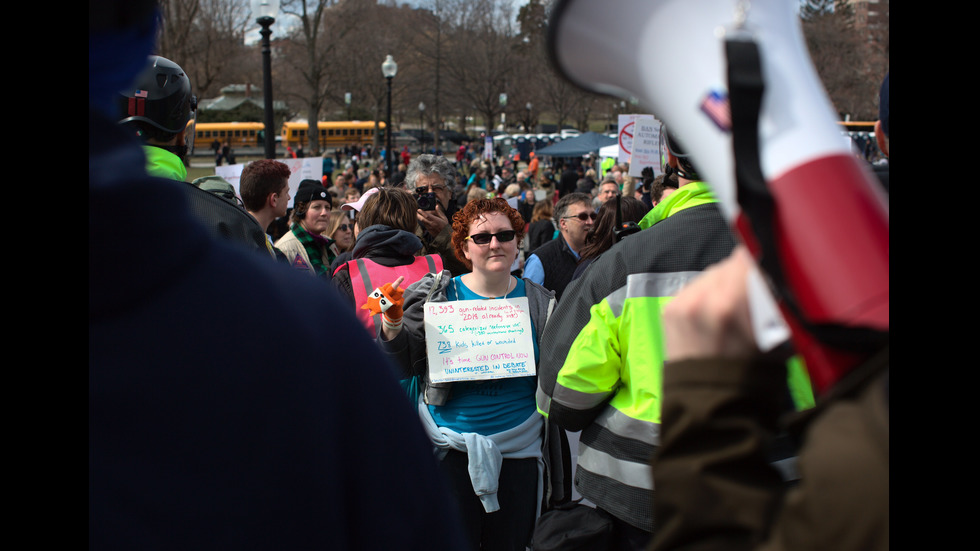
(559, 264)
(539, 233)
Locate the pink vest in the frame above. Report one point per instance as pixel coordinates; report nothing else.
(366, 275)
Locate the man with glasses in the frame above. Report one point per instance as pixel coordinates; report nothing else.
(436, 174)
(553, 264)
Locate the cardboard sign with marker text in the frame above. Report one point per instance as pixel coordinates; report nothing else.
(471, 340)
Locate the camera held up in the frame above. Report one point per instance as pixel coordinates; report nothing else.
(426, 201)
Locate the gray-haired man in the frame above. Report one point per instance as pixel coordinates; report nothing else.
(436, 174)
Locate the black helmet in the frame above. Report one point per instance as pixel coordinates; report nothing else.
(161, 97)
(668, 142)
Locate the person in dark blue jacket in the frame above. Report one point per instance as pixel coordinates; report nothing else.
(205, 431)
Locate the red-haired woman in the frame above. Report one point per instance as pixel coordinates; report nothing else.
(490, 438)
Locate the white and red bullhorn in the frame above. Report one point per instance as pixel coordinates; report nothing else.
(830, 215)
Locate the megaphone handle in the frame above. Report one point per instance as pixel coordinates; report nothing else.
(829, 348)
(768, 326)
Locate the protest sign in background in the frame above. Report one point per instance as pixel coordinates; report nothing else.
(299, 169)
(646, 145)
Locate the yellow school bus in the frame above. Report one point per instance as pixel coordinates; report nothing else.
(332, 133)
(858, 126)
(237, 134)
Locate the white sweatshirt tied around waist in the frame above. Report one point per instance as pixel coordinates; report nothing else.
(486, 453)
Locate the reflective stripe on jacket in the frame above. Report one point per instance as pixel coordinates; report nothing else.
(614, 364)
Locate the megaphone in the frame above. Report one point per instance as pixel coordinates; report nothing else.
(733, 82)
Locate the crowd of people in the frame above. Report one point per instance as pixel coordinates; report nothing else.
(207, 427)
(548, 213)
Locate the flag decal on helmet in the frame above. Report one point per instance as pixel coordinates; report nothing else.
(715, 105)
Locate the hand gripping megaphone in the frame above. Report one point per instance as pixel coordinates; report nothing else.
(733, 82)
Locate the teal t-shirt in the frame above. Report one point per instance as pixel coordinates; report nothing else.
(487, 407)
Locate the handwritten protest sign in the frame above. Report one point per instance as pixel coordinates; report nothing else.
(470, 340)
(646, 146)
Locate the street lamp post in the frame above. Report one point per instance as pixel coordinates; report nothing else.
(422, 126)
(527, 125)
(503, 112)
(265, 12)
(389, 68)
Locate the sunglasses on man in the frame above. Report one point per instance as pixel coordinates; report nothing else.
(582, 216)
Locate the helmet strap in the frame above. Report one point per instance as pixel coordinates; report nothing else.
(684, 173)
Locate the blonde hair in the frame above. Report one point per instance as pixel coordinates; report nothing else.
(337, 218)
(476, 192)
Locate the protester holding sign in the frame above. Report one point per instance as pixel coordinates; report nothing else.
(464, 338)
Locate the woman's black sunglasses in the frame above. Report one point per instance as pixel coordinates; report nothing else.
(484, 238)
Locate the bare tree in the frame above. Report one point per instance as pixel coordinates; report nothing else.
(355, 62)
(429, 42)
(850, 63)
(457, 56)
(204, 37)
(811, 8)
(308, 55)
(478, 55)
(585, 110)
(177, 39)
(552, 92)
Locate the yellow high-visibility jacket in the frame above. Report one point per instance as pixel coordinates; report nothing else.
(602, 353)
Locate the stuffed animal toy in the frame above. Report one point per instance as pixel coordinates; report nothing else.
(387, 300)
